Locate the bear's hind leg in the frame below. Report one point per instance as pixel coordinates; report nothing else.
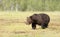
(43, 26)
(46, 25)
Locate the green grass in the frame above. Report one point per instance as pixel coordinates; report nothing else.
(11, 26)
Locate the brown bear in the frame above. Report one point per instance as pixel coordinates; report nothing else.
(40, 19)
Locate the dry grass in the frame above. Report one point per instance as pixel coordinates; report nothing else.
(11, 25)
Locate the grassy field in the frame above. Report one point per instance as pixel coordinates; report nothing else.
(11, 25)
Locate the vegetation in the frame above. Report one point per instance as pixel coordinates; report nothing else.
(11, 25)
(29, 5)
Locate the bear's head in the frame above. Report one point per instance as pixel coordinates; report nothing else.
(28, 20)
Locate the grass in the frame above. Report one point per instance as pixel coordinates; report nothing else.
(11, 25)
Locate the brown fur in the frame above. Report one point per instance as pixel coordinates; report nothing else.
(40, 19)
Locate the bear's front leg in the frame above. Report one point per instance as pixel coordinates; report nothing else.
(33, 26)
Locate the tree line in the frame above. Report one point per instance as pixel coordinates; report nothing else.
(29, 5)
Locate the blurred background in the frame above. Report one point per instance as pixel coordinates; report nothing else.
(13, 14)
(29, 5)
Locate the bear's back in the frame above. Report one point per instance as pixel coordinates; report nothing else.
(38, 18)
(45, 17)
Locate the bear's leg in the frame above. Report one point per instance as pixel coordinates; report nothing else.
(46, 25)
(33, 26)
(43, 26)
